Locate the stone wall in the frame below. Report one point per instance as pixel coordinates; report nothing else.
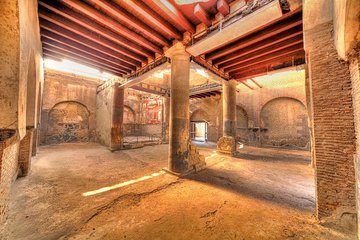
(69, 108)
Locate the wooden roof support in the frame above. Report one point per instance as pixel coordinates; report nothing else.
(86, 26)
(202, 15)
(223, 7)
(96, 62)
(83, 54)
(81, 61)
(123, 17)
(267, 58)
(247, 85)
(174, 14)
(296, 31)
(256, 83)
(287, 22)
(115, 26)
(151, 17)
(263, 52)
(69, 38)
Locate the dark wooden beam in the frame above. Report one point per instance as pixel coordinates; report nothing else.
(81, 61)
(115, 26)
(174, 14)
(86, 27)
(263, 52)
(57, 45)
(296, 31)
(267, 58)
(288, 21)
(151, 18)
(82, 43)
(116, 12)
(202, 15)
(223, 7)
(82, 58)
(210, 67)
(262, 69)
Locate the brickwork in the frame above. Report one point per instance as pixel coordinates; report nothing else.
(25, 153)
(334, 135)
(355, 80)
(9, 151)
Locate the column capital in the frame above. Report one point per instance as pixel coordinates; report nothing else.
(177, 51)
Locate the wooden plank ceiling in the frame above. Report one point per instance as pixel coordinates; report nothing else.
(280, 43)
(121, 36)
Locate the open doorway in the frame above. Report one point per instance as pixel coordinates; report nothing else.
(199, 131)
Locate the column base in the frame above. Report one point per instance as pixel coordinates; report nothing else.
(226, 145)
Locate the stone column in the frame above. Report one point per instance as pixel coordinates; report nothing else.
(229, 108)
(227, 143)
(117, 116)
(179, 108)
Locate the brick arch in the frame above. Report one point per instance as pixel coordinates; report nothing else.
(286, 122)
(68, 121)
(242, 118)
(199, 115)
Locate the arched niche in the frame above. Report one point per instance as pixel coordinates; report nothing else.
(286, 123)
(68, 122)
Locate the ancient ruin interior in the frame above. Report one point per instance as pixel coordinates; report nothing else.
(180, 119)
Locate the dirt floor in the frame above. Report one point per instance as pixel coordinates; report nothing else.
(83, 191)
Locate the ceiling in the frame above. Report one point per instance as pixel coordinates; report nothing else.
(118, 36)
(122, 36)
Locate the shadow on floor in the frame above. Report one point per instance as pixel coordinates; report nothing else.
(281, 194)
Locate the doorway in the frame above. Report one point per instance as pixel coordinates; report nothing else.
(199, 131)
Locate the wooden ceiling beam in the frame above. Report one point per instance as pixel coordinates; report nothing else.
(296, 31)
(223, 7)
(174, 14)
(80, 53)
(86, 27)
(79, 42)
(122, 16)
(267, 66)
(112, 24)
(263, 52)
(151, 18)
(289, 20)
(81, 61)
(74, 55)
(202, 15)
(284, 52)
(61, 40)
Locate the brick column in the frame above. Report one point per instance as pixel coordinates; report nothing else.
(117, 116)
(333, 121)
(25, 153)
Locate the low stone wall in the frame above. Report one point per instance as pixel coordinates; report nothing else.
(9, 152)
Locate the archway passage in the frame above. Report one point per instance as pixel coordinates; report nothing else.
(285, 122)
(68, 122)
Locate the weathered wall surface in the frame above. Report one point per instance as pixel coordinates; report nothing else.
(21, 78)
(103, 116)
(285, 121)
(69, 108)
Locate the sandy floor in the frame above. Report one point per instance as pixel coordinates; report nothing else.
(264, 194)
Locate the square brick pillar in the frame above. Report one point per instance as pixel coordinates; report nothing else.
(333, 126)
(25, 153)
(117, 115)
